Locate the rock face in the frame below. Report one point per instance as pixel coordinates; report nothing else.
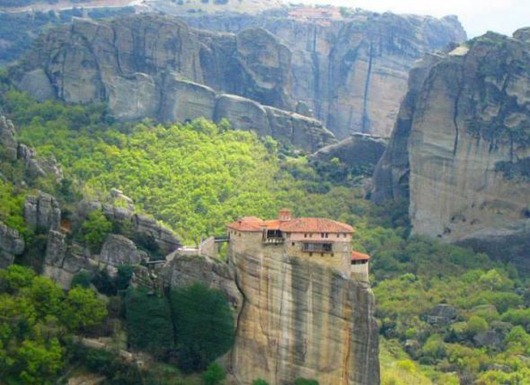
(461, 145)
(349, 68)
(302, 319)
(351, 73)
(42, 212)
(118, 250)
(146, 66)
(11, 150)
(149, 228)
(11, 245)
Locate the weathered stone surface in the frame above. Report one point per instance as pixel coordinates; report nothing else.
(11, 150)
(183, 271)
(55, 249)
(185, 100)
(38, 167)
(441, 314)
(351, 72)
(359, 149)
(244, 114)
(266, 65)
(491, 339)
(37, 84)
(463, 136)
(522, 34)
(302, 319)
(161, 235)
(8, 143)
(171, 74)
(118, 250)
(11, 244)
(42, 212)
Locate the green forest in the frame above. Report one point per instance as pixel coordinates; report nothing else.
(446, 314)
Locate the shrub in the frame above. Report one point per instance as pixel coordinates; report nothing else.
(214, 374)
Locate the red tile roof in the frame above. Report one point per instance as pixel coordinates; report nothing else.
(296, 225)
(356, 256)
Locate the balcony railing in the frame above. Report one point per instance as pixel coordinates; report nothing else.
(274, 241)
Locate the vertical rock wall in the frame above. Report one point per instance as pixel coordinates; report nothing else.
(350, 71)
(461, 146)
(301, 319)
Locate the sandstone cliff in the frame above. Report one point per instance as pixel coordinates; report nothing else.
(462, 140)
(301, 319)
(351, 67)
(147, 66)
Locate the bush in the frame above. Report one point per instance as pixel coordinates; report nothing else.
(214, 374)
(95, 230)
(81, 279)
(259, 381)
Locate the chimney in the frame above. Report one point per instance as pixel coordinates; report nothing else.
(284, 215)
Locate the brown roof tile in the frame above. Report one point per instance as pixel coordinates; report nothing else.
(297, 225)
(356, 256)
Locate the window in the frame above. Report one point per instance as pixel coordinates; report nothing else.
(317, 247)
(292, 244)
(338, 235)
(305, 235)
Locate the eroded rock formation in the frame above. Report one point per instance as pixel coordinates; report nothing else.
(147, 66)
(11, 245)
(302, 319)
(351, 67)
(461, 146)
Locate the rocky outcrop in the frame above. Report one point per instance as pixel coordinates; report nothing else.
(42, 212)
(148, 228)
(8, 143)
(301, 319)
(11, 245)
(351, 67)
(462, 141)
(11, 150)
(118, 250)
(146, 66)
(358, 149)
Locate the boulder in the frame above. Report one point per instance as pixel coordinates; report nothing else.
(441, 315)
(491, 339)
(243, 114)
(359, 149)
(149, 230)
(118, 250)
